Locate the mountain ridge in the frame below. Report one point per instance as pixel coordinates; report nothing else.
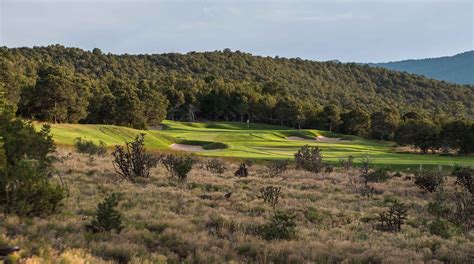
(458, 68)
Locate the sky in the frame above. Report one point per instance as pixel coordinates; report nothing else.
(345, 30)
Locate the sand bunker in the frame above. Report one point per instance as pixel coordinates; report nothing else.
(184, 147)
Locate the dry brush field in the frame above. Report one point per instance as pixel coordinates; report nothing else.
(166, 221)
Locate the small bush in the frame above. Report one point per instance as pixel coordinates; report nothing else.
(89, 147)
(440, 228)
(282, 226)
(328, 168)
(439, 206)
(132, 162)
(309, 158)
(456, 206)
(393, 219)
(348, 163)
(277, 167)
(429, 180)
(462, 212)
(216, 166)
(270, 194)
(107, 218)
(178, 166)
(378, 175)
(242, 171)
(465, 177)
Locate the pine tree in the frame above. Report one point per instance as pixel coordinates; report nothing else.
(107, 218)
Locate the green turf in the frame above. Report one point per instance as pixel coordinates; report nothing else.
(239, 140)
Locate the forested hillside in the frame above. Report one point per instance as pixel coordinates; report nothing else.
(59, 84)
(456, 69)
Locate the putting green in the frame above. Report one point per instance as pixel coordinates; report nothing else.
(258, 141)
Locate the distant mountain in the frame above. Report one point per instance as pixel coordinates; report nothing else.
(456, 69)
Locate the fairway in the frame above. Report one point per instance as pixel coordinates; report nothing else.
(256, 141)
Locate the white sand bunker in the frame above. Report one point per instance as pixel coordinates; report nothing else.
(317, 139)
(184, 147)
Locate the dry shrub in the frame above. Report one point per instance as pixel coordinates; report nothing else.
(277, 167)
(132, 162)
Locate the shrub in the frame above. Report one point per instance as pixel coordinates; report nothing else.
(464, 177)
(462, 212)
(89, 147)
(270, 194)
(242, 171)
(107, 218)
(440, 228)
(277, 167)
(393, 219)
(22, 141)
(132, 162)
(348, 163)
(282, 226)
(378, 175)
(216, 166)
(456, 206)
(178, 166)
(328, 168)
(365, 169)
(309, 158)
(429, 180)
(439, 206)
(25, 190)
(25, 187)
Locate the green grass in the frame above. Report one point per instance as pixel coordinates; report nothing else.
(257, 141)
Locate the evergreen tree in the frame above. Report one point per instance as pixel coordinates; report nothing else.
(384, 123)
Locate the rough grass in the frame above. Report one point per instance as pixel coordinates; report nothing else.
(166, 221)
(256, 141)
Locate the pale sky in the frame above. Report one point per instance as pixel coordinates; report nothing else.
(361, 31)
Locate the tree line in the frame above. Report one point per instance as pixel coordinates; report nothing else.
(58, 84)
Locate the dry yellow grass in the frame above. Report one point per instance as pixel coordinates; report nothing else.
(167, 222)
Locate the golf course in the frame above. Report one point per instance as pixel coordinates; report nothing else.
(253, 141)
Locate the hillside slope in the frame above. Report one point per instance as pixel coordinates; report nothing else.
(455, 69)
(315, 83)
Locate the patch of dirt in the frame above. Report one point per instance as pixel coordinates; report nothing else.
(184, 147)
